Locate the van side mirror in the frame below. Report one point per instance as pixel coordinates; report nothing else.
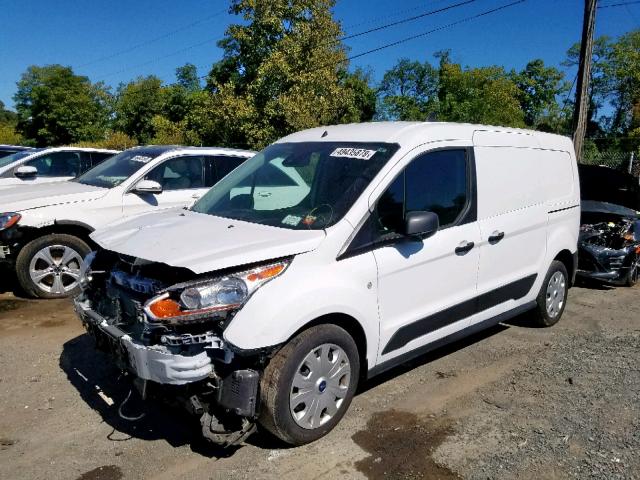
(145, 187)
(422, 224)
(26, 172)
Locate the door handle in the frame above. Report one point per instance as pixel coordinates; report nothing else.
(195, 196)
(464, 247)
(264, 194)
(495, 237)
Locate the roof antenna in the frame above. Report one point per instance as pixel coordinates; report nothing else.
(432, 117)
(324, 134)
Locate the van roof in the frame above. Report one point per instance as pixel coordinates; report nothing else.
(417, 133)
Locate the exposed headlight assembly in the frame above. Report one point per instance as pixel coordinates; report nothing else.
(9, 219)
(202, 299)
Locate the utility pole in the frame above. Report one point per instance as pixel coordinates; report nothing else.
(581, 107)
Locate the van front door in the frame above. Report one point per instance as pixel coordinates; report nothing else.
(427, 287)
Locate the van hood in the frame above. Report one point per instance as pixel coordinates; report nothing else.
(26, 197)
(202, 243)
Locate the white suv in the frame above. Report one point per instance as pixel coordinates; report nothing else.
(44, 230)
(397, 238)
(44, 165)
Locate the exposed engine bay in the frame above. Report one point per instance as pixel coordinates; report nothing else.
(609, 250)
(148, 317)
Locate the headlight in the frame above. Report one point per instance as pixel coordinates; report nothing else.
(199, 300)
(8, 220)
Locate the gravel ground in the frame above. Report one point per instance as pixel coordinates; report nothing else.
(512, 402)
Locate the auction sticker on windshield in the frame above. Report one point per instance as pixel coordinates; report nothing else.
(361, 153)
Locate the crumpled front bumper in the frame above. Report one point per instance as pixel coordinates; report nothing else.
(154, 363)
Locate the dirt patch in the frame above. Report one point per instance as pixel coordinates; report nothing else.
(108, 472)
(400, 446)
(6, 443)
(6, 305)
(54, 322)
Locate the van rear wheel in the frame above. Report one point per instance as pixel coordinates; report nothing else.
(49, 266)
(308, 385)
(552, 299)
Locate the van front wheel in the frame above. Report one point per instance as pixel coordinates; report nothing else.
(308, 385)
(552, 298)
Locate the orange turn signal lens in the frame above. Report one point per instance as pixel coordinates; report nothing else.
(267, 273)
(11, 220)
(165, 308)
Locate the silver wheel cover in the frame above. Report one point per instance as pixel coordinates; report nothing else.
(320, 385)
(55, 269)
(556, 289)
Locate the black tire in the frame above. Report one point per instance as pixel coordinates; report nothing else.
(632, 276)
(540, 316)
(276, 383)
(31, 249)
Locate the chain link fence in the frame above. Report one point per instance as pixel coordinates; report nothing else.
(623, 161)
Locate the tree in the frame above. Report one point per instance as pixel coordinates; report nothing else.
(539, 87)
(282, 71)
(55, 106)
(599, 85)
(479, 95)
(7, 116)
(136, 104)
(623, 74)
(409, 91)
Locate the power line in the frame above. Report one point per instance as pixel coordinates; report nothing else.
(153, 40)
(622, 4)
(162, 57)
(347, 37)
(406, 20)
(444, 27)
(389, 45)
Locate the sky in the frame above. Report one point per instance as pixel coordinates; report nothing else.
(117, 40)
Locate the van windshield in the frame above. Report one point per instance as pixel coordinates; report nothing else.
(307, 185)
(115, 170)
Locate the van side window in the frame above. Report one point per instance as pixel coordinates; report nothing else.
(435, 182)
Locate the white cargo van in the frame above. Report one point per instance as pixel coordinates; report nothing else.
(390, 240)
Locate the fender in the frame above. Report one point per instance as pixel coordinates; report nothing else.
(275, 312)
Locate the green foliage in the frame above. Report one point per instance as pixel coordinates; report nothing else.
(112, 141)
(539, 88)
(282, 71)
(136, 104)
(7, 116)
(172, 133)
(9, 136)
(479, 95)
(409, 91)
(55, 106)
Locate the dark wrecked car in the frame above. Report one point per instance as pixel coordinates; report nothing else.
(609, 243)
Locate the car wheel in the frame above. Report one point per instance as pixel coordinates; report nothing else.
(49, 266)
(308, 385)
(552, 298)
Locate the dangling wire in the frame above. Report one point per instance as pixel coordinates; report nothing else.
(123, 416)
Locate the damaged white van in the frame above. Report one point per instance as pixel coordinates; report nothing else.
(331, 256)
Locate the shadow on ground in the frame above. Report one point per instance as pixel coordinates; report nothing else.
(97, 379)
